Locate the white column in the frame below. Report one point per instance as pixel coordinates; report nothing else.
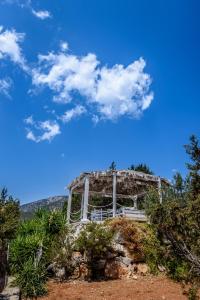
(160, 190)
(82, 200)
(85, 200)
(69, 204)
(135, 202)
(114, 194)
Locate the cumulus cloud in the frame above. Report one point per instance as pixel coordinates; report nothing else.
(10, 46)
(123, 90)
(73, 113)
(110, 92)
(41, 131)
(41, 14)
(67, 73)
(92, 88)
(5, 85)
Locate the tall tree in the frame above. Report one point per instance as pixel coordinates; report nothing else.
(193, 150)
(141, 168)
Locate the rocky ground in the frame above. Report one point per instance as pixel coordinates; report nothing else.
(142, 288)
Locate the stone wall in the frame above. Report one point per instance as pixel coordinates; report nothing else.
(119, 262)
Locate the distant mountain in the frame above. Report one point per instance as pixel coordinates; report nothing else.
(27, 210)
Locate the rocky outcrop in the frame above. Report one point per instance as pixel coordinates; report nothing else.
(10, 292)
(118, 263)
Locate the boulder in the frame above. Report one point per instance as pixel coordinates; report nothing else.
(60, 273)
(118, 248)
(10, 292)
(125, 260)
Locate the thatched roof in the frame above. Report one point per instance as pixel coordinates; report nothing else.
(128, 182)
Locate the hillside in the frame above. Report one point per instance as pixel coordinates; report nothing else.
(49, 203)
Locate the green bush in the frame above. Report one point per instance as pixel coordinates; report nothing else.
(22, 248)
(94, 242)
(177, 269)
(39, 242)
(31, 279)
(153, 251)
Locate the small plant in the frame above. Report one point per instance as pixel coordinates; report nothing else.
(192, 293)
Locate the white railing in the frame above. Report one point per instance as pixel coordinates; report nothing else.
(129, 212)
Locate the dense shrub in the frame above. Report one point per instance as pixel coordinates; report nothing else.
(176, 220)
(31, 279)
(39, 242)
(94, 241)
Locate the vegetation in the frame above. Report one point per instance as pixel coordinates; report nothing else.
(39, 242)
(9, 216)
(177, 221)
(140, 241)
(141, 168)
(94, 242)
(9, 220)
(112, 166)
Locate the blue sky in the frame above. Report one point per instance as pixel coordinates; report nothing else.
(83, 83)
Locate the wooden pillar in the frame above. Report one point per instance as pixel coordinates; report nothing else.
(85, 200)
(114, 194)
(69, 204)
(160, 190)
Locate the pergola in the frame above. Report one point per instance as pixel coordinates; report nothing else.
(123, 184)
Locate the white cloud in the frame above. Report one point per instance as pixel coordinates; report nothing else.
(10, 46)
(5, 85)
(64, 46)
(123, 90)
(108, 93)
(46, 131)
(41, 14)
(72, 113)
(67, 73)
(27, 4)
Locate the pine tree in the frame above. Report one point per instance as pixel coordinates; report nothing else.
(141, 168)
(178, 183)
(112, 166)
(193, 150)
